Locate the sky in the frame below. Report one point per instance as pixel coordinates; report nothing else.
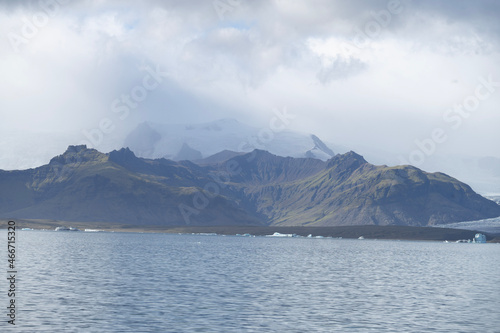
(410, 77)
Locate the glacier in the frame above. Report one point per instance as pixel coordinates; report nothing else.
(196, 141)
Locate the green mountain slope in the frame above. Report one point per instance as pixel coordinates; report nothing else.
(248, 189)
(86, 185)
(350, 191)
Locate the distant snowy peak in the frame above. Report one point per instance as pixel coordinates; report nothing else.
(322, 146)
(198, 141)
(320, 150)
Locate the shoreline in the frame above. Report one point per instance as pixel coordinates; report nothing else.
(348, 232)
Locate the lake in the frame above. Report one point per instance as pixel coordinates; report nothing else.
(139, 282)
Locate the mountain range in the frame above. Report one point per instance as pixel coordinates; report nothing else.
(234, 188)
(199, 142)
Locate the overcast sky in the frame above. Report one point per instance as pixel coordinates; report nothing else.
(380, 74)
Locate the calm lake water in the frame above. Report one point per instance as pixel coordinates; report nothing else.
(133, 282)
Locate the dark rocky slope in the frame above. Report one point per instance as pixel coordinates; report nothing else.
(249, 189)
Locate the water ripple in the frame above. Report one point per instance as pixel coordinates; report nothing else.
(82, 282)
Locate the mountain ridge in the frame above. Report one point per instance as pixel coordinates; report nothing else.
(257, 188)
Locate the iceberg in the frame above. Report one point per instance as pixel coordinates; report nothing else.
(277, 234)
(479, 238)
(67, 229)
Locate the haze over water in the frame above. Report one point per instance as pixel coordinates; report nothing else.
(132, 282)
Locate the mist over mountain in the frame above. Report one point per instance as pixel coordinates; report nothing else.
(203, 142)
(196, 141)
(256, 188)
(190, 141)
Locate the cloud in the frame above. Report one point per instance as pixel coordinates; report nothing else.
(378, 73)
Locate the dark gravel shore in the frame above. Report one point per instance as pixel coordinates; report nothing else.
(368, 231)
